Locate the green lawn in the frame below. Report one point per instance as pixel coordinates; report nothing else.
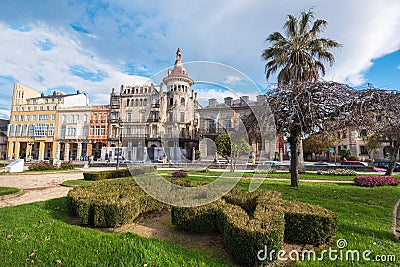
(38, 232)
(8, 190)
(75, 182)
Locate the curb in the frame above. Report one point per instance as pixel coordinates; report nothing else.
(396, 221)
(16, 194)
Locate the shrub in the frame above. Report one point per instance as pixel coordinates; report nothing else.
(132, 171)
(41, 166)
(179, 174)
(109, 203)
(339, 172)
(251, 221)
(371, 181)
(66, 166)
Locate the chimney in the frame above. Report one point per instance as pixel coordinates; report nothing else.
(244, 100)
(212, 102)
(228, 101)
(261, 98)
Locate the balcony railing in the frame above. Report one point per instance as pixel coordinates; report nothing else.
(212, 131)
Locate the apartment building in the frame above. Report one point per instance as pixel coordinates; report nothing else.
(98, 131)
(32, 132)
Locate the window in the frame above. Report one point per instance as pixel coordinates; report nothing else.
(52, 100)
(182, 116)
(47, 101)
(95, 116)
(33, 117)
(227, 124)
(170, 116)
(41, 108)
(91, 130)
(21, 118)
(72, 118)
(105, 117)
(102, 130)
(40, 129)
(22, 109)
(15, 118)
(71, 131)
(48, 107)
(84, 132)
(145, 102)
(97, 130)
(64, 119)
(77, 118)
(63, 132)
(16, 109)
(363, 133)
(29, 108)
(182, 101)
(53, 117)
(85, 117)
(54, 107)
(27, 118)
(51, 129)
(43, 117)
(344, 135)
(363, 150)
(34, 108)
(128, 117)
(171, 101)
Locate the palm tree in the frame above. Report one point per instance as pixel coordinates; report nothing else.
(298, 57)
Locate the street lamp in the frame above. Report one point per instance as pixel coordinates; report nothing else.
(119, 134)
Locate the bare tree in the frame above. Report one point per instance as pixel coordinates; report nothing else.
(307, 108)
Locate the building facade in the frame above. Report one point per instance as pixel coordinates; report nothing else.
(149, 122)
(72, 140)
(33, 128)
(98, 131)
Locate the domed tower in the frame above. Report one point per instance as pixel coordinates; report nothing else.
(178, 84)
(180, 107)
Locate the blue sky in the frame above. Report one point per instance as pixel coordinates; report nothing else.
(93, 46)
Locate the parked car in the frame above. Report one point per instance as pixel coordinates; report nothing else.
(385, 164)
(273, 163)
(354, 163)
(323, 163)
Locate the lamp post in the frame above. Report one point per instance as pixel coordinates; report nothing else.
(119, 134)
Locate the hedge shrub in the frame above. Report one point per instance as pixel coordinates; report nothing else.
(251, 221)
(96, 205)
(41, 166)
(131, 171)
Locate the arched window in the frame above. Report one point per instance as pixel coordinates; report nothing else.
(182, 101)
(171, 101)
(128, 102)
(363, 133)
(136, 102)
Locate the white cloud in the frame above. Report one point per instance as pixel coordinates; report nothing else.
(232, 79)
(25, 61)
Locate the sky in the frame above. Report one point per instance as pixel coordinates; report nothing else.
(94, 46)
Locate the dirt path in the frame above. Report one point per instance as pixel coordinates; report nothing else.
(36, 187)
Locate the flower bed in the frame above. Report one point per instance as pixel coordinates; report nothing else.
(179, 174)
(371, 181)
(342, 172)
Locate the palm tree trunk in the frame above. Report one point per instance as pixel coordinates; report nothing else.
(295, 142)
(394, 151)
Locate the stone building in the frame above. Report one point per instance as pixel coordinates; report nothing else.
(148, 123)
(98, 131)
(72, 138)
(218, 118)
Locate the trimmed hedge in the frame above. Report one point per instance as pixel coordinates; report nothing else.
(131, 171)
(251, 221)
(96, 205)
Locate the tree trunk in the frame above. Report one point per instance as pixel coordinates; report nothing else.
(394, 151)
(295, 142)
(300, 161)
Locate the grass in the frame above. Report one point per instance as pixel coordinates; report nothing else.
(75, 182)
(8, 190)
(40, 232)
